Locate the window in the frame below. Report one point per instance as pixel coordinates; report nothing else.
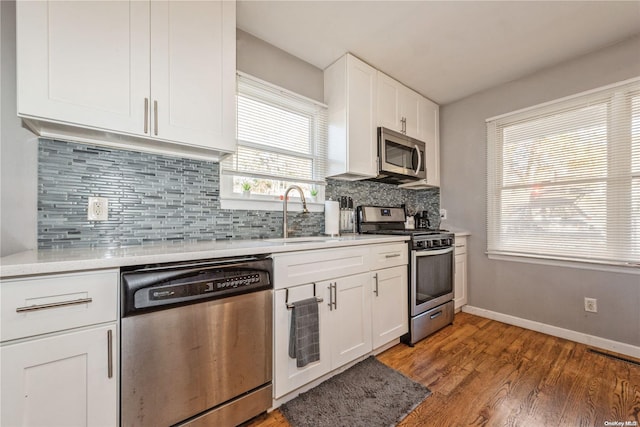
(564, 178)
(282, 140)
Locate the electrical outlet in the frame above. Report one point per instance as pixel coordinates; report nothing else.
(591, 305)
(98, 209)
(443, 214)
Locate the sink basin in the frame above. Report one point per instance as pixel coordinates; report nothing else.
(311, 239)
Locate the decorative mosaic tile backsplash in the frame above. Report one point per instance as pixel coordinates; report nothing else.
(155, 198)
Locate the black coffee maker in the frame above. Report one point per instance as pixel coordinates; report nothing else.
(422, 220)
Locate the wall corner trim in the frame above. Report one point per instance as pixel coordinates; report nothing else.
(580, 337)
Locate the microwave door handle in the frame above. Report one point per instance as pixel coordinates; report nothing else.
(415, 147)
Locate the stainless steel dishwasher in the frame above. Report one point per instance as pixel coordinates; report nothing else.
(196, 343)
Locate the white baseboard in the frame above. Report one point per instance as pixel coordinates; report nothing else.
(590, 340)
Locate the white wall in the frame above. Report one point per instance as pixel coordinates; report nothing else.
(18, 152)
(267, 62)
(551, 295)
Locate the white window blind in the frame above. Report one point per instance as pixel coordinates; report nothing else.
(564, 178)
(282, 139)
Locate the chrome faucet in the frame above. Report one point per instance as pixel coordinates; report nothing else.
(285, 233)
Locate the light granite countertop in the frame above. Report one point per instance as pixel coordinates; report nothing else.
(50, 261)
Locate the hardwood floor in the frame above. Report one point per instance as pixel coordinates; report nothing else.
(487, 373)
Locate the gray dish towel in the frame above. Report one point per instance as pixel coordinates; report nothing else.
(304, 335)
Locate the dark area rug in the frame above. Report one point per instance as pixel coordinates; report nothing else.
(368, 394)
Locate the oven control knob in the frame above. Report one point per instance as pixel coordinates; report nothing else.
(429, 243)
(420, 244)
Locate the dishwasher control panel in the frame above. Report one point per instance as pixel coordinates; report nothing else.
(150, 288)
(199, 287)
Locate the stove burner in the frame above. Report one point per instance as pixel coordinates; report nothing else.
(390, 221)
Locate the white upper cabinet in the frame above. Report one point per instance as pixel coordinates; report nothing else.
(84, 62)
(350, 93)
(398, 106)
(405, 111)
(159, 72)
(193, 72)
(388, 103)
(428, 131)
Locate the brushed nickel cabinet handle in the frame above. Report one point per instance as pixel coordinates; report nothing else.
(392, 256)
(330, 296)
(109, 353)
(155, 118)
(375, 291)
(146, 115)
(335, 295)
(53, 305)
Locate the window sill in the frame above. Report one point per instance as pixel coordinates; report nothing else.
(251, 204)
(560, 262)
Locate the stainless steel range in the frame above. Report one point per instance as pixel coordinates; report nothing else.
(431, 269)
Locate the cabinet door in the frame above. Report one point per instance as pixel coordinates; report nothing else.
(409, 110)
(84, 63)
(389, 101)
(428, 131)
(362, 137)
(460, 282)
(350, 332)
(390, 317)
(287, 376)
(61, 380)
(193, 72)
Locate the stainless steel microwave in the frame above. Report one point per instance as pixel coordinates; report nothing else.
(401, 159)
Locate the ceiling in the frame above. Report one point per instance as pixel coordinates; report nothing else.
(446, 50)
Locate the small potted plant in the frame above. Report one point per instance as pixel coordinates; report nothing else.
(246, 189)
(314, 193)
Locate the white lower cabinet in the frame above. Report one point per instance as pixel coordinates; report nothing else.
(358, 312)
(390, 318)
(287, 376)
(59, 350)
(460, 281)
(345, 332)
(62, 380)
(349, 318)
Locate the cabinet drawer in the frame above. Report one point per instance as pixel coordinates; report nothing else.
(461, 245)
(385, 256)
(39, 305)
(313, 266)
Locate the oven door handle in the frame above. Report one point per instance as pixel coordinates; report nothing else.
(427, 252)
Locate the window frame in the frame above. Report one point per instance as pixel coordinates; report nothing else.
(496, 248)
(233, 200)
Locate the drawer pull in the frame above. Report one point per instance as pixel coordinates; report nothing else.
(392, 256)
(53, 305)
(434, 315)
